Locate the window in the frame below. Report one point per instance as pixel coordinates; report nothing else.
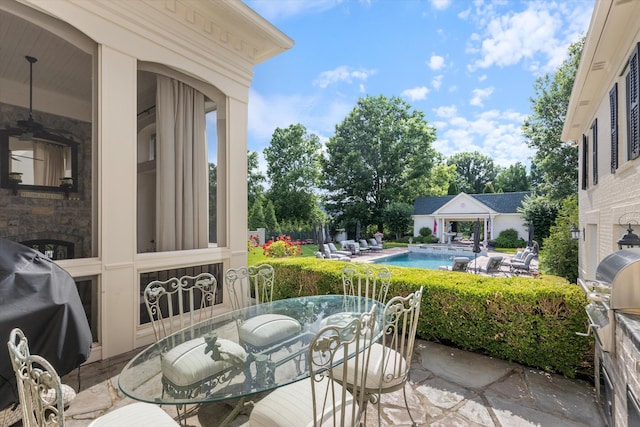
(633, 106)
(613, 108)
(594, 150)
(177, 180)
(585, 165)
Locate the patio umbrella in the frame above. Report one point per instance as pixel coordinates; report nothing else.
(320, 238)
(326, 232)
(476, 243)
(530, 238)
(357, 230)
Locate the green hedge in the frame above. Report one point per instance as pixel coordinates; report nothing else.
(529, 321)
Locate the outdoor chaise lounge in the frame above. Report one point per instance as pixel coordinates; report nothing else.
(460, 263)
(326, 252)
(335, 251)
(494, 266)
(351, 246)
(368, 245)
(517, 267)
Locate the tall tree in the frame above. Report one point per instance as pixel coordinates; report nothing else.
(513, 178)
(556, 161)
(271, 222)
(397, 217)
(293, 167)
(560, 255)
(255, 178)
(474, 172)
(256, 217)
(381, 152)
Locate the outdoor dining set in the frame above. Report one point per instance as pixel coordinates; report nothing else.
(311, 360)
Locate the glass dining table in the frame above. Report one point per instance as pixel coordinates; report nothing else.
(209, 361)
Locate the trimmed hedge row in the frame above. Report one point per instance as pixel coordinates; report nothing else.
(529, 321)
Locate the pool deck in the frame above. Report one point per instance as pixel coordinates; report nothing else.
(478, 264)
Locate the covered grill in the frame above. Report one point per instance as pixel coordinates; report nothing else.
(616, 288)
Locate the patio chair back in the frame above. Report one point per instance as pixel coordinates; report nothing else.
(390, 358)
(261, 277)
(42, 399)
(176, 303)
(494, 264)
(460, 263)
(320, 400)
(360, 279)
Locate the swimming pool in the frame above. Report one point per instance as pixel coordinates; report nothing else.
(416, 260)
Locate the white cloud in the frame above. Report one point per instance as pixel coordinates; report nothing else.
(537, 36)
(495, 133)
(436, 62)
(342, 73)
(416, 93)
(479, 95)
(482, 78)
(440, 4)
(436, 82)
(446, 112)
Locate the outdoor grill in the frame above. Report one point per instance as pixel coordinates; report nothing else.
(615, 289)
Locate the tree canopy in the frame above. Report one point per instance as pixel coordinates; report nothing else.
(381, 152)
(513, 178)
(556, 161)
(293, 168)
(474, 172)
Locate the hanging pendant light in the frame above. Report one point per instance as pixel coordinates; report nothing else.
(29, 126)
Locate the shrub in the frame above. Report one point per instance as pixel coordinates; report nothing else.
(520, 319)
(425, 232)
(509, 239)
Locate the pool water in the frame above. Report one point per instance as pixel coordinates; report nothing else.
(411, 259)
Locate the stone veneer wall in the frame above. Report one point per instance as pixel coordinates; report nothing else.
(623, 367)
(28, 218)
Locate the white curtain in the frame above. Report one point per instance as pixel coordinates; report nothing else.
(181, 167)
(48, 164)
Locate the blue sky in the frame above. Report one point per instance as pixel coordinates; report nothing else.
(469, 66)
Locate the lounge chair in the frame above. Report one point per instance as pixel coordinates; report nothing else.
(460, 263)
(351, 246)
(335, 251)
(518, 267)
(494, 266)
(328, 255)
(372, 247)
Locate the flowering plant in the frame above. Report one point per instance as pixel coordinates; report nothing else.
(253, 242)
(281, 247)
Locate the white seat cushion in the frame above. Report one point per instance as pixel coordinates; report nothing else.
(188, 364)
(267, 329)
(392, 372)
(10, 415)
(292, 405)
(135, 415)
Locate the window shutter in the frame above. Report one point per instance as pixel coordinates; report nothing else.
(594, 150)
(585, 169)
(633, 103)
(613, 107)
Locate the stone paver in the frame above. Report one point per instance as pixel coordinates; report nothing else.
(448, 388)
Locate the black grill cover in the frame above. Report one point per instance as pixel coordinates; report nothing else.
(41, 298)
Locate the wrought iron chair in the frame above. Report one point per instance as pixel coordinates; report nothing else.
(42, 400)
(390, 360)
(263, 331)
(366, 281)
(173, 305)
(319, 400)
